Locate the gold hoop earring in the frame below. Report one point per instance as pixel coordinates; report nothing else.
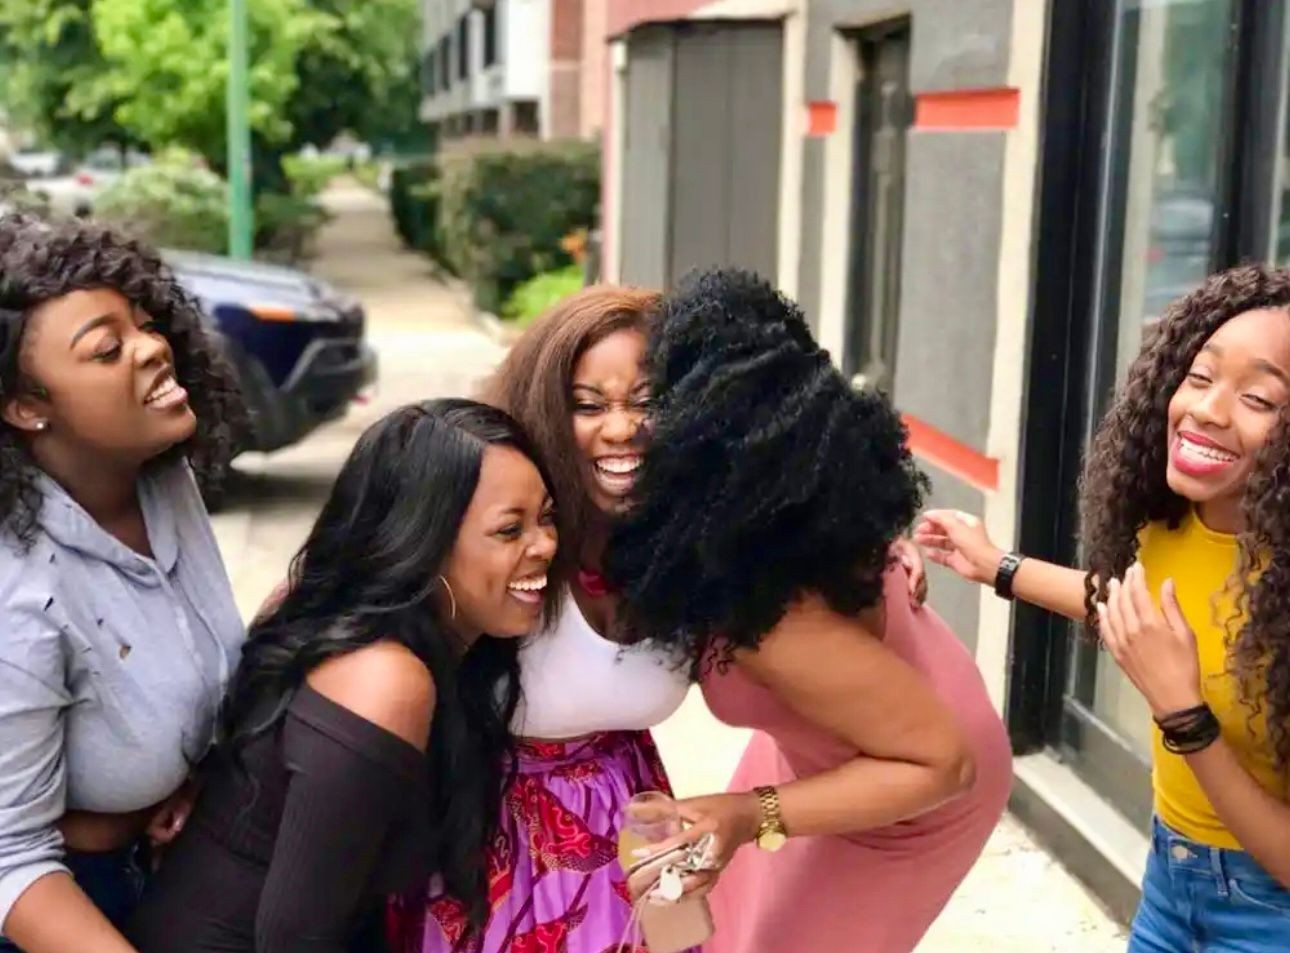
(451, 598)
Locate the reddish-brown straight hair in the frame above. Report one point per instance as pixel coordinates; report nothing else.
(534, 384)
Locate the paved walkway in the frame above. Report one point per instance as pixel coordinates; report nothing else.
(428, 345)
(1017, 900)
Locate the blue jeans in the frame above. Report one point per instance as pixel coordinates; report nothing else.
(113, 880)
(1198, 899)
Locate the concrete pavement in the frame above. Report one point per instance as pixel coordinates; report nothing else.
(1017, 900)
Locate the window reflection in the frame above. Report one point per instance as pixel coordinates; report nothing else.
(1170, 125)
(1174, 69)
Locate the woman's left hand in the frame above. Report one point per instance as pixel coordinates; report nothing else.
(170, 816)
(1156, 649)
(911, 557)
(734, 819)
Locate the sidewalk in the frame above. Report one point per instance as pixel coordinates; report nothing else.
(1018, 899)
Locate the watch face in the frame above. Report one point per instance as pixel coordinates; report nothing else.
(771, 841)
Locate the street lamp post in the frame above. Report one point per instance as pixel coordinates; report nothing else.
(239, 135)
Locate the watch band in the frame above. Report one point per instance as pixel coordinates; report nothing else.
(1004, 575)
(772, 835)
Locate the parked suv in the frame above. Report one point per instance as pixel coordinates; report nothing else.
(296, 342)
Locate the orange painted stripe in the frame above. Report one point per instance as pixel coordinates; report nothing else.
(968, 109)
(821, 118)
(958, 459)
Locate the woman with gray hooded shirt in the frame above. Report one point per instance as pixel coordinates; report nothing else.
(118, 630)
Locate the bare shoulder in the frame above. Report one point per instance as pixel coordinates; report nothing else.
(384, 683)
(809, 632)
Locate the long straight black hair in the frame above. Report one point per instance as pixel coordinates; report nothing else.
(368, 571)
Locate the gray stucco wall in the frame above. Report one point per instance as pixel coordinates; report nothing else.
(953, 213)
(949, 280)
(958, 602)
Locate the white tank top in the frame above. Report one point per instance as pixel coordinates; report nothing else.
(576, 682)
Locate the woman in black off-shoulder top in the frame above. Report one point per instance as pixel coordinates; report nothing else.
(361, 690)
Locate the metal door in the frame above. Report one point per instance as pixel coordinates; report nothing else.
(884, 110)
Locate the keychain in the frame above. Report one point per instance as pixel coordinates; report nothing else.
(669, 888)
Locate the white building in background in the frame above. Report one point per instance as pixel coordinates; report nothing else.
(508, 67)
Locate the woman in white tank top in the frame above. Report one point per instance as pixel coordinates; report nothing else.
(575, 382)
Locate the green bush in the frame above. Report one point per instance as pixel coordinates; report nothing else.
(286, 226)
(538, 294)
(414, 203)
(309, 175)
(173, 202)
(16, 197)
(506, 208)
(370, 174)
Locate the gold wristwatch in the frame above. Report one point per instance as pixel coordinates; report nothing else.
(772, 835)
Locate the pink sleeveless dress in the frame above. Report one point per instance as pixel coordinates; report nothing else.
(879, 890)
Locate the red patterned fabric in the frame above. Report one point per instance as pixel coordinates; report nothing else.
(555, 885)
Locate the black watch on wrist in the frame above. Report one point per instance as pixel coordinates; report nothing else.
(1003, 577)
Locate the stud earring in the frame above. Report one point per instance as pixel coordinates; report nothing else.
(451, 598)
(42, 425)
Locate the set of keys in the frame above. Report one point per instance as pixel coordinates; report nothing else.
(671, 879)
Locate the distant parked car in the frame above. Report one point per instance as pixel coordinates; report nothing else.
(34, 161)
(73, 190)
(1180, 250)
(298, 344)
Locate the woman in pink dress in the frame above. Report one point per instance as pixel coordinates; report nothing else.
(757, 548)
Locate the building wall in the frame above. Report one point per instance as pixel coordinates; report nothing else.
(565, 82)
(525, 48)
(594, 94)
(524, 70)
(975, 70)
(975, 73)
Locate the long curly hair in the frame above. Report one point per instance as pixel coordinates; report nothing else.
(766, 476)
(369, 571)
(535, 385)
(1124, 488)
(39, 262)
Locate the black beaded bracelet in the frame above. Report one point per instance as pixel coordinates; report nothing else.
(1189, 730)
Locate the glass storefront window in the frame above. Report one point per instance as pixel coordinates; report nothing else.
(1280, 239)
(1164, 180)
(1175, 63)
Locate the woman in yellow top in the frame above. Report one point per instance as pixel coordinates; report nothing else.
(1186, 529)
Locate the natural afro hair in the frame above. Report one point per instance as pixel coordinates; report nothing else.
(41, 261)
(767, 476)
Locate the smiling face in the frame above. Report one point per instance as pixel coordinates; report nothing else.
(611, 399)
(103, 377)
(498, 565)
(1222, 413)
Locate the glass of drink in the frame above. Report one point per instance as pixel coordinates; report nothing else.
(648, 818)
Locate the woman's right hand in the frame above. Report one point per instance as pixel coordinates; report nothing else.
(958, 541)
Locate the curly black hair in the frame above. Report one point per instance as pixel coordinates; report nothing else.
(767, 476)
(1124, 488)
(41, 261)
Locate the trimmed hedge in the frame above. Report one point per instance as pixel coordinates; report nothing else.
(505, 209)
(174, 202)
(414, 203)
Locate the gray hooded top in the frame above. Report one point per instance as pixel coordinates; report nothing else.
(112, 667)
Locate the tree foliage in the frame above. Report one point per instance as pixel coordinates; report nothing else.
(168, 67)
(50, 67)
(154, 72)
(360, 74)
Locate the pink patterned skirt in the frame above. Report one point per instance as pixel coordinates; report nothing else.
(554, 878)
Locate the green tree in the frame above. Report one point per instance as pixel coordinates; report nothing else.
(153, 72)
(360, 74)
(50, 67)
(167, 67)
